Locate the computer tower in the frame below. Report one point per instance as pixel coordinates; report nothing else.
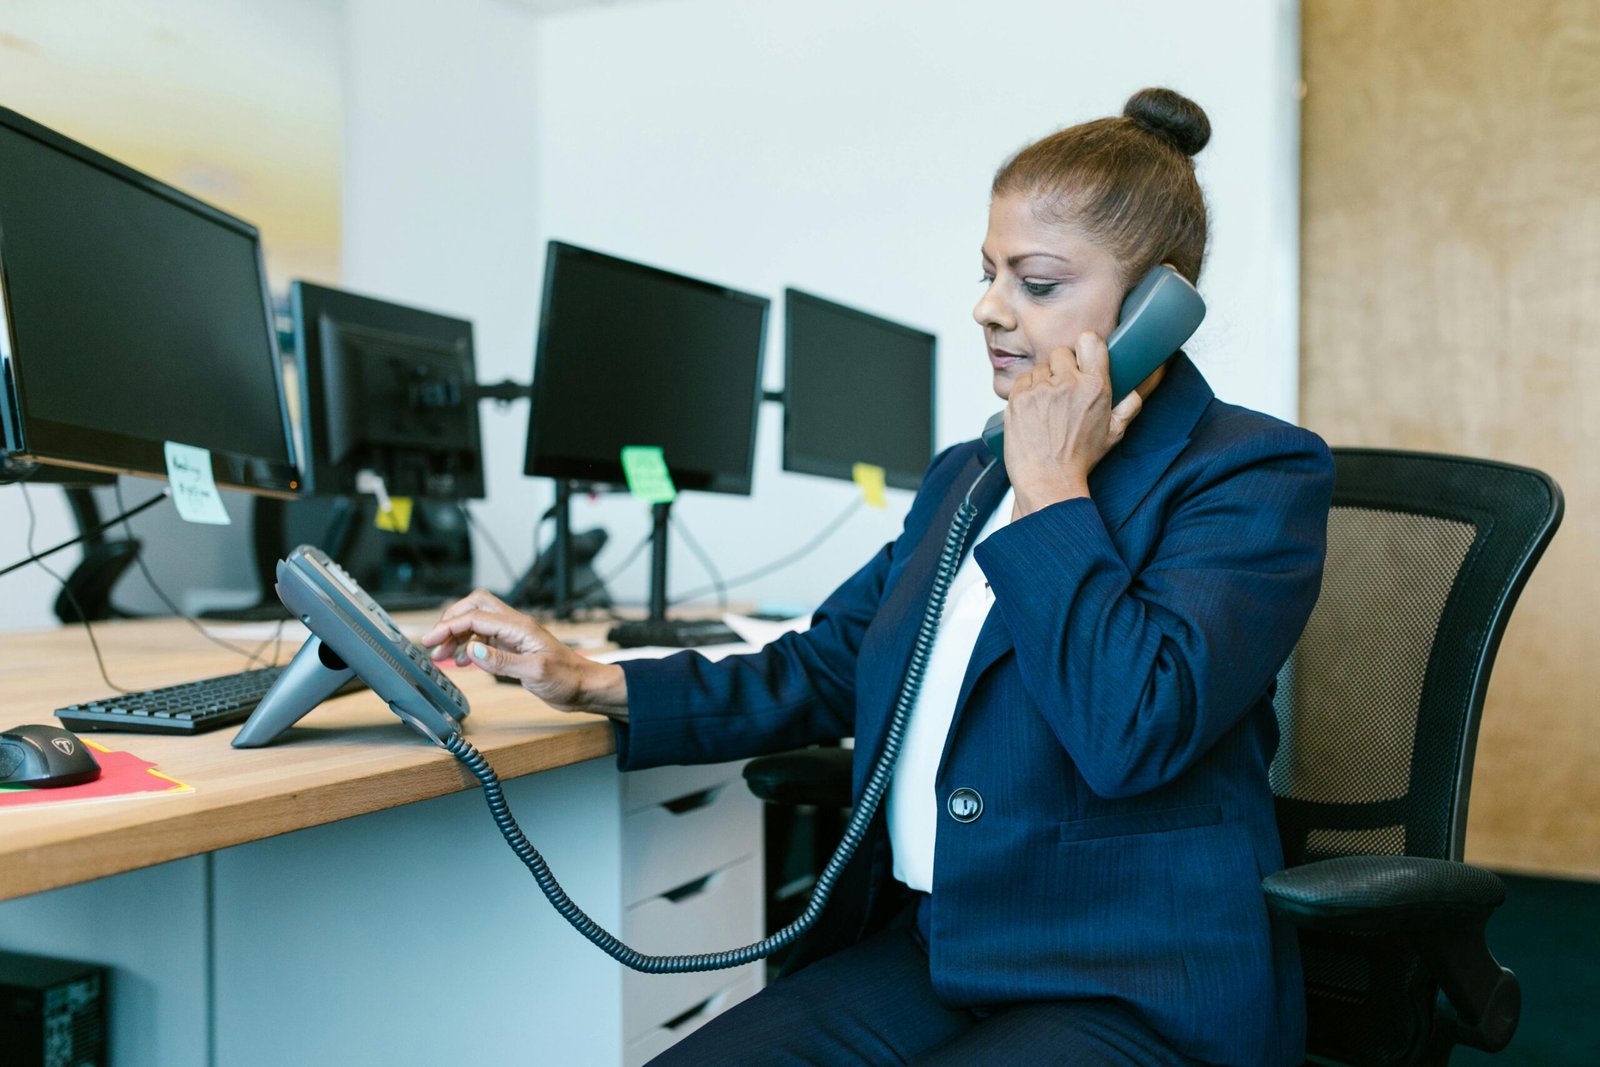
(52, 1012)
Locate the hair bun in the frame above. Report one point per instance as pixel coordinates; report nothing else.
(1172, 117)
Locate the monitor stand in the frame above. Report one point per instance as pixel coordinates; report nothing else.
(562, 577)
(86, 593)
(658, 630)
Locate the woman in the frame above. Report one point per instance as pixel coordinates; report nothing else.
(1079, 820)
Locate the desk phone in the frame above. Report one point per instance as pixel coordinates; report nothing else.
(350, 636)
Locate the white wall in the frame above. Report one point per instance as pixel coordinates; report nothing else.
(441, 111)
(839, 147)
(846, 148)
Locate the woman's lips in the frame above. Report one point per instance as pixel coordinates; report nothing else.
(1000, 359)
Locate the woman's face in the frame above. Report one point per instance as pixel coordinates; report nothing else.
(1045, 283)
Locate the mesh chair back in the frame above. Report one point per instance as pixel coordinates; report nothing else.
(1379, 705)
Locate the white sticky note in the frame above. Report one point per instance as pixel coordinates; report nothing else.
(193, 489)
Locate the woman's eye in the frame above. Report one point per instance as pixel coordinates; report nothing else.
(987, 279)
(1040, 288)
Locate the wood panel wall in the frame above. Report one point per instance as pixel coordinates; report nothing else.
(1451, 302)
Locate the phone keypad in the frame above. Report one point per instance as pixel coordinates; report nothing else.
(415, 653)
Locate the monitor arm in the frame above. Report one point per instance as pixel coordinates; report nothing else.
(503, 392)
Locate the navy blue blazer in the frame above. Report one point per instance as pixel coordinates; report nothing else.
(1116, 719)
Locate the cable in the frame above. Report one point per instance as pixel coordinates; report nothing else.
(601, 581)
(138, 558)
(36, 557)
(494, 546)
(274, 640)
(770, 568)
(705, 561)
(33, 522)
(854, 833)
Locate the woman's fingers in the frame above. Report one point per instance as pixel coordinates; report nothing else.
(1065, 363)
(507, 630)
(1125, 412)
(1093, 360)
(477, 600)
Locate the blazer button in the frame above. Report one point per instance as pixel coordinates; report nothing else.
(965, 805)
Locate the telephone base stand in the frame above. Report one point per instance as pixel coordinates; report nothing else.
(315, 674)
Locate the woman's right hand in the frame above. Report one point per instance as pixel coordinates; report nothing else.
(483, 630)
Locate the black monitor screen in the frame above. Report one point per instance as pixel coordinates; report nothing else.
(134, 315)
(631, 355)
(389, 389)
(857, 389)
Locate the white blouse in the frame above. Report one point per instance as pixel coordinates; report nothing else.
(913, 811)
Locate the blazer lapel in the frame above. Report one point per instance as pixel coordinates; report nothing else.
(1117, 484)
(1128, 472)
(909, 599)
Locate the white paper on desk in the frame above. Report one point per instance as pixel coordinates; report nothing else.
(710, 652)
(293, 631)
(760, 632)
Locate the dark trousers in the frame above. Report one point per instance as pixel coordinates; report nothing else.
(873, 1003)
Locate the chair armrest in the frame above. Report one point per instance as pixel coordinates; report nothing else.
(815, 776)
(1381, 894)
(1439, 907)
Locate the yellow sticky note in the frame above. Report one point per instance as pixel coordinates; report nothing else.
(869, 477)
(398, 518)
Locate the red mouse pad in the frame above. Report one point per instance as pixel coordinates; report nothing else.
(122, 774)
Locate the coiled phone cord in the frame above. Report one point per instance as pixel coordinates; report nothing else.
(855, 829)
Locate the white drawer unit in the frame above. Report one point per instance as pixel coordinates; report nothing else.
(691, 883)
(657, 1040)
(708, 915)
(320, 926)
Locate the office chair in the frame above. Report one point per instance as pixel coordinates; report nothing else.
(1378, 709)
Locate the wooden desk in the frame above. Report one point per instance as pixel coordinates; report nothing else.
(351, 756)
(370, 935)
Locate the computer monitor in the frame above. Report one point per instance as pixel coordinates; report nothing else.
(388, 389)
(632, 355)
(857, 389)
(133, 314)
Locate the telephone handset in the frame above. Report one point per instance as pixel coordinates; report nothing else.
(1157, 317)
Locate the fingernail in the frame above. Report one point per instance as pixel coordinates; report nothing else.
(480, 650)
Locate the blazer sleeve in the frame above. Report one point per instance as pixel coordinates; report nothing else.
(794, 692)
(1140, 674)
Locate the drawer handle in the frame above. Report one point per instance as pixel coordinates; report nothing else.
(685, 804)
(689, 889)
(679, 1020)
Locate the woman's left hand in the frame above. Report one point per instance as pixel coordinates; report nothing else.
(1060, 423)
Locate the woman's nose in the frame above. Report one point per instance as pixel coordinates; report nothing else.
(991, 310)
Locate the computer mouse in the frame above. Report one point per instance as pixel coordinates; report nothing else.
(45, 756)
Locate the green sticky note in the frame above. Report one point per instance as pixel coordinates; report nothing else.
(645, 468)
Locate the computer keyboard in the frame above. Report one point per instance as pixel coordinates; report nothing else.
(189, 708)
(671, 633)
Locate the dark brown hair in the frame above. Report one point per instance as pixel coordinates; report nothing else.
(1127, 181)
